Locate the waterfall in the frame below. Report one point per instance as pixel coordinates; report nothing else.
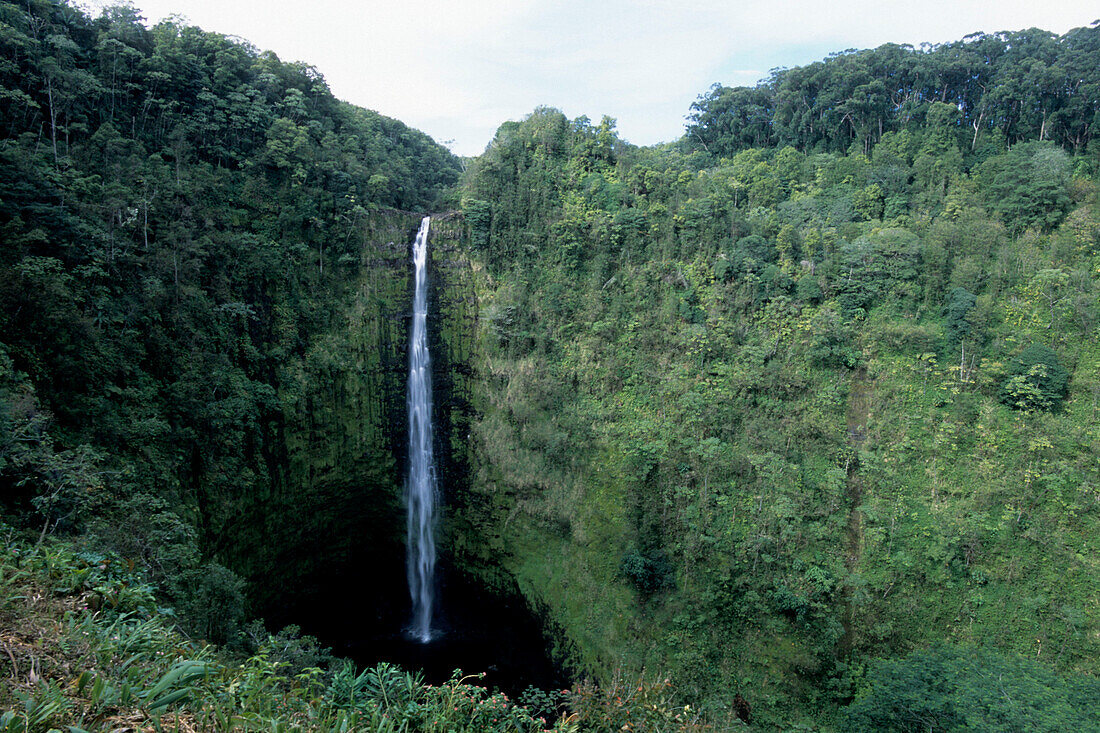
(421, 487)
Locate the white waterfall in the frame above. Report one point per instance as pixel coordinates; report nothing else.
(421, 488)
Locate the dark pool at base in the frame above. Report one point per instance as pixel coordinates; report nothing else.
(475, 630)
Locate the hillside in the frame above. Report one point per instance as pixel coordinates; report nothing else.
(761, 417)
(201, 302)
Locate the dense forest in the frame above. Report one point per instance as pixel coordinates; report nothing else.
(1005, 88)
(793, 421)
(182, 221)
(806, 389)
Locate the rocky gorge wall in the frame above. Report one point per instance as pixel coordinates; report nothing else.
(322, 543)
(338, 443)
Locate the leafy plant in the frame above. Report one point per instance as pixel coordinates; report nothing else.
(1036, 380)
(646, 703)
(42, 709)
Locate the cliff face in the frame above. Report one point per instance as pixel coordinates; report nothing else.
(758, 421)
(453, 316)
(334, 497)
(331, 530)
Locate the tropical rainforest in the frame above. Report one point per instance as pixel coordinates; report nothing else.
(790, 424)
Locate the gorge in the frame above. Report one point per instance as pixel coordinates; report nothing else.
(766, 422)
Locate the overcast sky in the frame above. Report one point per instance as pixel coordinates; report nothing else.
(457, 69)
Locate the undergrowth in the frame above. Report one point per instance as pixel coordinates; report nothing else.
(85, 647)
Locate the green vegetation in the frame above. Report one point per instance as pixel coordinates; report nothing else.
(800, 410)
(1036, 381)
(762, 408)
(98, 654)
(986, 91)
(957, 689)
(200, 303)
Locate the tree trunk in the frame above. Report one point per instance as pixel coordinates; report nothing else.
(53, 118)
(977, 128)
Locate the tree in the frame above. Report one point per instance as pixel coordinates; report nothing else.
(1050, 284)
(957, 324)
(938, 157)
(1028, 185)
(1036, 380)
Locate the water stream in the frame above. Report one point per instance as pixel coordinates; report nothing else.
(421, 490)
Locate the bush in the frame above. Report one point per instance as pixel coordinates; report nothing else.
(649, 572)
(1028, 185)
(832, 343)
(960, 302)
(1036, 380)
(642, 705)
(293, 651)
(215, 608)
(386, 686)
(808, 290)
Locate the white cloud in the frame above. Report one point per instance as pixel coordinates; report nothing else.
(458, 69)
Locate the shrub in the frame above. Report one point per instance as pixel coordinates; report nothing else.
(215, 608)
(1036, 380)
(649, 572)
(645, 704)
(391, 689)
(1028, 185)
(292, 649)
(808, 290)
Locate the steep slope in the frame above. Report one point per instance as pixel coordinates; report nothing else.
(677, 349)
(811, 388)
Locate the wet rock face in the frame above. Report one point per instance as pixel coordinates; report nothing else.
(452, 331)
(334, 562)
(333, 520)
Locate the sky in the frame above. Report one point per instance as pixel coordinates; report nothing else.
(457, 69)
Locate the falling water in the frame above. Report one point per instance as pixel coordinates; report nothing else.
(421, 489)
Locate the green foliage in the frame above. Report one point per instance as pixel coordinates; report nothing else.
(106, 582)
(1036, 380)
(950, 688)
(196, 290)
(716, 362)
(460, 706)
(767, 362)
(647, 704)
(93, 669)
(833, 341)
(479, 216)
(384, 686)
(883, 266)
(930, 103)
(174, 685)
(546, 704)
(42, 708)
(293, 651)
(808, 290)
(957, 315)
(215, 607)
(1028, 185)
(649, 572)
